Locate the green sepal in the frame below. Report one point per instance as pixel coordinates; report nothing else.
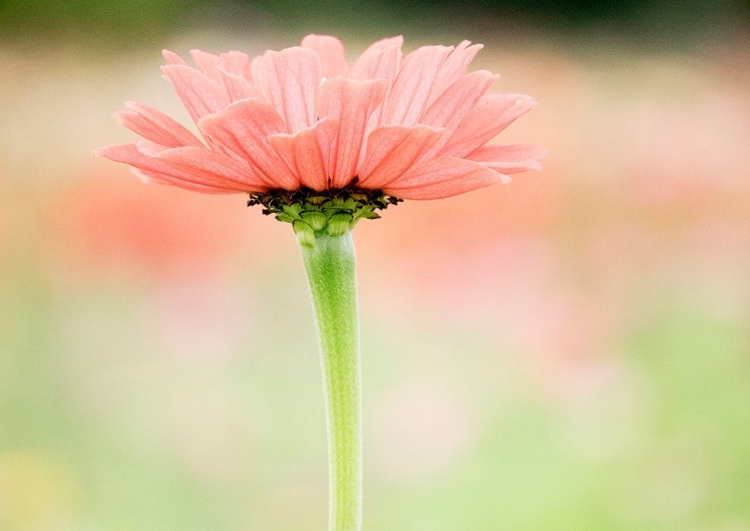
(339, 224)
(316, 214)
(304, 232)
(315, 218)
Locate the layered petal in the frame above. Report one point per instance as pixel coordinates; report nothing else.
(439, 178)
(455, 103)
(236, 63)
(229, 70)
(308, 152)
(408, 97)
(398, 41)
(378, 63)
(172, 58)
(331, 52)
(510, 158)
(350, 102)
(392, 150)
(492, 114)
(150, 177)
(242, 129)
(208, 63)
(453, 68)
(289, 81)
(209, 166)
(237, 87)
(155, 126)
(200, 94)
(191, 164)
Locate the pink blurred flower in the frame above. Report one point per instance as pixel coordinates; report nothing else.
(105, 224)
(415, 126)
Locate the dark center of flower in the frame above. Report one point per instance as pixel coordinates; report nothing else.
(330, 212)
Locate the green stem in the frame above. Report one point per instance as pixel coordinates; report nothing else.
(330, 267)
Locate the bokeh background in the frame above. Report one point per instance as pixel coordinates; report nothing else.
(567, 352)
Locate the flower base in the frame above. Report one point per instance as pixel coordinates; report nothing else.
(316, 214)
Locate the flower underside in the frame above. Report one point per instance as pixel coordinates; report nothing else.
(331, 212)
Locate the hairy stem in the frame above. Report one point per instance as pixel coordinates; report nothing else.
(330, 267)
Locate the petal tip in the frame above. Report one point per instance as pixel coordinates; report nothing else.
(171, 57)
(121, 116)
(526, 100)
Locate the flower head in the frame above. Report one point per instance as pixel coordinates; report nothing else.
(304, 119)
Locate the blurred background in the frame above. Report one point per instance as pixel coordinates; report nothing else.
(567, 352)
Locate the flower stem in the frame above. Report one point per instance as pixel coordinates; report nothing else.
(330, 267)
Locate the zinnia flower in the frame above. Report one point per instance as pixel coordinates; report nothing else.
(412, 126)
(322, 143)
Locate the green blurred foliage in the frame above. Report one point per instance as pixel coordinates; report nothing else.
(110, 23)
(91, 20)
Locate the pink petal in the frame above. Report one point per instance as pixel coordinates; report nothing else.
(492, 114)
(208, 63)
(191, 164)
(236, 63)
(155, 126)
(243, 128)
(331, 52)
(510, 158)
(230, 70)
(411, 88)
(157, 178)
(438, 178)
(289, 81)
(392, 150)
(210, 165)
(456, 102)
(377, 63)
(453, 68)
(350, 102)
(172, 58)
(307, 152)
(397, 41)
(237, 87)
(200, 94)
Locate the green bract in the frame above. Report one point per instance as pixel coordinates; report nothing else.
(329, 213)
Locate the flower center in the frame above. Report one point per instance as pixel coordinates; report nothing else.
(331, 212)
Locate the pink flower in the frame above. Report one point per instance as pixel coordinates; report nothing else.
(415, 126)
